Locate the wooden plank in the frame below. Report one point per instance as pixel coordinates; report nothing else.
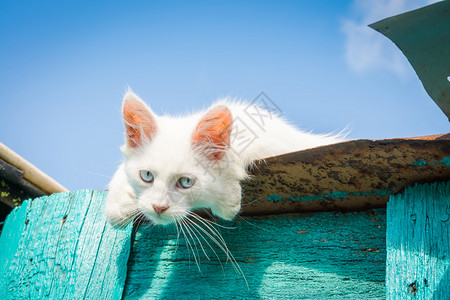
(354, 175)
(302, 256)
(418, 243)
(61, 247)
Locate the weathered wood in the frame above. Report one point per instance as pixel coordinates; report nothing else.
(418, 243)
(60, 247)
(353, 175)
(302, 256)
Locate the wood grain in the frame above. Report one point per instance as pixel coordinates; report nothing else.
(418, 243)
(303, 256)
(60, 247)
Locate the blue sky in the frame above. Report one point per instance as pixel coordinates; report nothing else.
(66, 64)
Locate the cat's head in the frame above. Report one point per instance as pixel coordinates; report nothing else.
(176, 165)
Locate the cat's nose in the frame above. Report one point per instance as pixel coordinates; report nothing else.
(160, 209)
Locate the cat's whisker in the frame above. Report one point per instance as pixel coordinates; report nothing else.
(206, 241)
(190, 230)
(189, 244)
(139, 219)
(210, 246)
(146, 222)
(201, 235)
(136, 220)
(250, 223)
(149, 224)
(209, 226)
(93, 173)
(178, 233)
(193, 243)
(219, 242)
(122, 222)
(184, 236)
(222, 245)
(137, 215)
(249, 202)
(193, 214)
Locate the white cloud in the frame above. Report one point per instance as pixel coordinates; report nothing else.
(367, 49)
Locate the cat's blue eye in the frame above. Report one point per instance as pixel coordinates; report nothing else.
(185, 182)
(146, 176)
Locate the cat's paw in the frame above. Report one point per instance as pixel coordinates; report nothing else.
(229, 207)
(120, 212)
(226, 212)
(121, 203)
(120, 207)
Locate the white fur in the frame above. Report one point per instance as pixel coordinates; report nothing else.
(170, 155)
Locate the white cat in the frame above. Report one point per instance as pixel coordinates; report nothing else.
(174, 165)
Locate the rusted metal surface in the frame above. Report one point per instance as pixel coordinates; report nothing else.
(352, 175)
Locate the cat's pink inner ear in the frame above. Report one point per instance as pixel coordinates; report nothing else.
(213, 132)
(140, 125)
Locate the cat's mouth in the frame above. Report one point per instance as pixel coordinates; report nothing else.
(162, 219)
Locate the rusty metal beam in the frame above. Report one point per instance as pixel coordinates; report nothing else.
(353, 175)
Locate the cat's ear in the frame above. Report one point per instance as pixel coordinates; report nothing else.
(140, 123)
(212, 134)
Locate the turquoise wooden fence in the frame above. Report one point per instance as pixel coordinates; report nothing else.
(60, 247)
(418, 243)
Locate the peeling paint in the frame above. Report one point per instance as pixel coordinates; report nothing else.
(333, 195)
(421, 162)
(307, 198)
(367, 171)
(274, 198)
(337, 195)
(445, 161)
